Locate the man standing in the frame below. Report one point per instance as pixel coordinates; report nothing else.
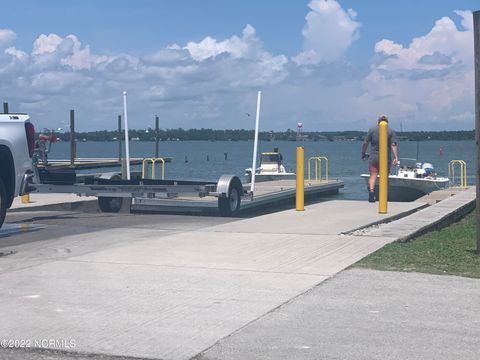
(372, 138)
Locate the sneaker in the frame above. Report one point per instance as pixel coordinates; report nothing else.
(371, 196)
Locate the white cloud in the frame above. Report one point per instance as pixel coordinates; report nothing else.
(172, 55)
(52, 48)
(54, 82)
(18, 54)
(430, 80)
(444, 39)
(7, 36)
(83, 59)
(235, 46)
(46, 44)
(328, 33)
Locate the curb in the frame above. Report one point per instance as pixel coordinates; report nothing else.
(448, 219)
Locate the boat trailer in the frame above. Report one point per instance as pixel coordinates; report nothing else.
(111, 190)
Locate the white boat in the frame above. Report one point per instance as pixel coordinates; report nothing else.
(412, 181)
(271, 168)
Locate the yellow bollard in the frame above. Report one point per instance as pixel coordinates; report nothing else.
(300, 198)
(26, 199)
(383, 164)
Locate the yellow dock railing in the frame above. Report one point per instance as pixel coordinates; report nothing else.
(152, 161)
(318, 168)
(463, 172)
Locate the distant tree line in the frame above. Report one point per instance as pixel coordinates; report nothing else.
(243, 135)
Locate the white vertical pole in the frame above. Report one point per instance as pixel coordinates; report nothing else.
(255, 143)
(127, 149)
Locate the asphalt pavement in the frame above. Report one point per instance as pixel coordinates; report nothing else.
(366, 314)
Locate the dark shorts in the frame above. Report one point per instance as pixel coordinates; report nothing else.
(373, 166)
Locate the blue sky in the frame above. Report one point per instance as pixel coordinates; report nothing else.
(333, 65)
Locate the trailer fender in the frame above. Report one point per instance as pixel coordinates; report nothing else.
(230, 189)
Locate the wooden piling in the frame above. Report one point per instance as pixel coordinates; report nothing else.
(5, 107)
(73, 145)
(119, 138)
(157, 135)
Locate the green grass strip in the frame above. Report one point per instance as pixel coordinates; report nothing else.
(448, 251)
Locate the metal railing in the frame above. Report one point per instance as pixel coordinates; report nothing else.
(318, 168)
(463, 172)
(152, 161)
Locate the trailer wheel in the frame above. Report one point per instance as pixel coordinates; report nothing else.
(110, 204)
(230, 205)
(3, 202)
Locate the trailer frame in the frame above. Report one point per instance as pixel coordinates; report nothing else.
(110, 190)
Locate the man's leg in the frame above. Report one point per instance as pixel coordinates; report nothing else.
(373, 167)
(371, 180)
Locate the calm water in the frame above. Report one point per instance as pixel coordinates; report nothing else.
(344, 157)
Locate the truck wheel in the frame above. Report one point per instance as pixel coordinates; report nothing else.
(110, 204)
(230, 205)
(3, 202)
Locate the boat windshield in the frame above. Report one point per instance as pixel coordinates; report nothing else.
(408, 163)
(271, 158)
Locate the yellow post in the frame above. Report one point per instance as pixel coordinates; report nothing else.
(383, 164)
(26, 199)
(300, 198)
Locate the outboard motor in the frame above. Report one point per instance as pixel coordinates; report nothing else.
(428, 168)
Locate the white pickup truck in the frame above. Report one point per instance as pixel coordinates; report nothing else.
(17, 145)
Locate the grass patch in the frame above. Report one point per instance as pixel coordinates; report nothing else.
(448, 251)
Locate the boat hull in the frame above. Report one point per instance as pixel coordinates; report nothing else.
(270, 177)
(410, 189)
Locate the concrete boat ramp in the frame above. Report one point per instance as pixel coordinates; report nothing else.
(165, 287)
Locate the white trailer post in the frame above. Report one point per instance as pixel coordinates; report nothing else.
(127, 149)
(255, 144)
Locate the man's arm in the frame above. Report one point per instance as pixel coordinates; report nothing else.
(367, 140)
(364, 149)
(395, 154)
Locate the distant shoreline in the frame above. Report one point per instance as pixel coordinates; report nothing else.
(246, 135)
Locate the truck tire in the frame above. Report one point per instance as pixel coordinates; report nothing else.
(3, 202)
(110, 204)
(230, 205)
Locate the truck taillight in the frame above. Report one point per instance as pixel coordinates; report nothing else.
(30, 130)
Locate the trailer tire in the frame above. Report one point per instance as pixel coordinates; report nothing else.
(3, 202)
(230, 205)
(110, 204)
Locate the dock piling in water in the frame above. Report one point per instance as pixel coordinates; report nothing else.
(119, 138)
(157, 135)
(73, 145)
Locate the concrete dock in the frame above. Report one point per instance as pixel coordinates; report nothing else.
(182, 287)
